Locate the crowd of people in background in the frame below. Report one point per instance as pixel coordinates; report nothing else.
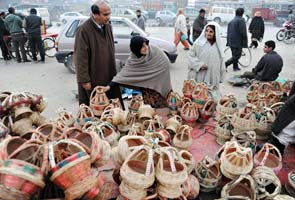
(18, 30)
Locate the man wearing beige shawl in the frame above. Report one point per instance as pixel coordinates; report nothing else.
(147, 69)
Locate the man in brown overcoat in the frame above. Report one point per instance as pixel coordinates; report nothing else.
(94, 53)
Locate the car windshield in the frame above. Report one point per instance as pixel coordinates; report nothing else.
(126, 29)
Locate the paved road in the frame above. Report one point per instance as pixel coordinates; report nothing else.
(55, 82)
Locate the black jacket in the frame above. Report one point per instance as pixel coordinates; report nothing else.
(285, 116)
(257, 28)
(198, 26)
(237, 33)
(3, 30)
(269, 67)
(33, 24)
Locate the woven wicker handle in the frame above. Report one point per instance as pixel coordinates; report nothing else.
(84, 110)
(51, 150)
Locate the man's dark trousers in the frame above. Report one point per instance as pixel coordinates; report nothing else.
(4, 49)
(18, 41)
(35, 40)
(236, 55)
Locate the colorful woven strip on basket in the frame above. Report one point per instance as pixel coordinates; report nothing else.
(67, 161)
(22, 167)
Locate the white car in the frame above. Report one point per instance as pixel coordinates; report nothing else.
(65, 17)
(123, 30)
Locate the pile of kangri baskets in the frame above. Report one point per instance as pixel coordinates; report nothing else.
(196, 104)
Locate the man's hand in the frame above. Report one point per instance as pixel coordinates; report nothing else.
(86, 86)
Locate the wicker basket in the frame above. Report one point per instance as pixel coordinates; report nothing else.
(19, 103)
(241, 188)
(287, 87)
(290, 183)
(269, 156)
(93, 142)
(65, 117)
(223, 130)
(146, 112)
(207, 111)
(208, 174)
(268, 185)
(173, 124)
(170, 173)
(37, 102)
(191, 187)
(8, 146)
(189, 112)
(137, 173)
(136, 129)
(235, 160)
(108, 132)
(85, 114)
(283, 197)
(245, 139)
(51, 131)
(263, 130)
(98, 100)
(173, 100)
(277, 107)
(115, 103)
(187, 158)
(227, 105)
(106, 151)
(135, 103)
(183, 139)
(188, 87)
(200, 94)
(73, 170)
(252, 93)
(245, 120)
(114, 116)
(19, 179)
(21, 126)
(277, 89)
(37, 119)
(127, 144)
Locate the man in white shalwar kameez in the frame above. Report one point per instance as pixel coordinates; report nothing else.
(206, 57)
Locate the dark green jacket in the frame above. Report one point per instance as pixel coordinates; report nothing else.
(13, 23)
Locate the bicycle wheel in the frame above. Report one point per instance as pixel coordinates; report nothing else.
(281, 34)
(246, 58)
(49, 47)
(227, 53)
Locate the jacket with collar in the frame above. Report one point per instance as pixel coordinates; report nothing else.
(13, 23)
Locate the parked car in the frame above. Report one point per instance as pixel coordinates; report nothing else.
(67, 16)
(223, 14)
(165, 17)
(123, 30)
(123, 12)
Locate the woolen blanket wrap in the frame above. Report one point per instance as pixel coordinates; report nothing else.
(150, 71)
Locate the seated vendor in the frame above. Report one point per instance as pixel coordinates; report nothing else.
(283, 128)
(268, 67)
(147, 69)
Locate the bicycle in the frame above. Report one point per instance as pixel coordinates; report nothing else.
(48, 41)
(246, 58)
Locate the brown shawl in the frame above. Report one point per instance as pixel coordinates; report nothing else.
(150, 71)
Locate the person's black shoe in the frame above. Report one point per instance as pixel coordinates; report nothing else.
(27, 61)
(186, 49)
(237, 69)
(18, 61)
